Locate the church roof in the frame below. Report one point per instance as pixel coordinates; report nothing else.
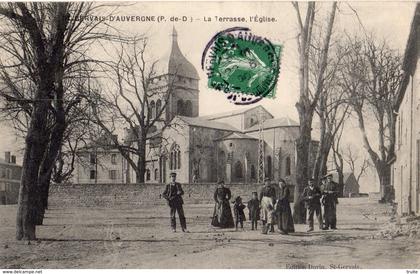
(200, 122)
(237, 135)
(175, 63)
(346, 177)
(272, 123)
(233, 113)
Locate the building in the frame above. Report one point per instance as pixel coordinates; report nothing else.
(10, 175)
(350, 187)
(203, 149)
(406, 165)
(100, 162)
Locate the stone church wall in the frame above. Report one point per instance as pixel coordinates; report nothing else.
(129, 195)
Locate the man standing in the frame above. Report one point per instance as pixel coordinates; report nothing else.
(267, 200)
(173, 194)
(330, 200)
(311, 196)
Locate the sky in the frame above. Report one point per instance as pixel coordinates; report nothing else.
(388, 20)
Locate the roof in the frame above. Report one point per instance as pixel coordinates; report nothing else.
(175, 63)
(200, 122)
(346, 175)
(272, 123)
(237, 135)
(233, 113)
(410, 56)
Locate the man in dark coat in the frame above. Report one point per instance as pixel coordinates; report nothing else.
(173, 194)
(254, 210)
(284, 212)
(330, 200)
(312, 196)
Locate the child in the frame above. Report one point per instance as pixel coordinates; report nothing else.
(238, 209)
(254, 210)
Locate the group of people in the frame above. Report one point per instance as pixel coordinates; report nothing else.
(271, 206)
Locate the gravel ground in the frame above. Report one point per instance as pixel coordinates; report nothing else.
(141, 238)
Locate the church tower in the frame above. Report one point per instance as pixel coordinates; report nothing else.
(176, 74)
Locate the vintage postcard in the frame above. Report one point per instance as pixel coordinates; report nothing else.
(210, 135)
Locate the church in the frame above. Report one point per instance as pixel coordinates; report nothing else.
(201, 149)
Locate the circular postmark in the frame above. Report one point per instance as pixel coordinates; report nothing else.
(242, 65)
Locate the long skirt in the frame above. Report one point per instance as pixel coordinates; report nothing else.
(267, 210)
(330, 214)
(285, 218)
(222, 216)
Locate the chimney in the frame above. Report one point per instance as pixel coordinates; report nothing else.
(13, 159)
(7, 156)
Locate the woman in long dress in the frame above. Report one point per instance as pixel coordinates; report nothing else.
(284, 212)
(222, 216)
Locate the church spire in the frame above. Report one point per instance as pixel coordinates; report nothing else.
(174, 35)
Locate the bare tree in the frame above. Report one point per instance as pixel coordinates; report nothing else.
(137, 99)
(371, 79)
(331, 108)
(308, 94)
(338, 156)
(43, 46)
(357, 163)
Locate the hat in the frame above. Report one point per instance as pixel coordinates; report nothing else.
(172, 174)
(266, 179)
(327, 175)
(220, 182)
(254, 192)
(311, 180)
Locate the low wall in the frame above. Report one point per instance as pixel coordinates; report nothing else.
(108, 195)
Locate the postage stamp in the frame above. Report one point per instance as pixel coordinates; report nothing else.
(244, 66)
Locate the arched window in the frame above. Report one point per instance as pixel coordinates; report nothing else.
(269, 166)
(288, 166)
(156, 174)
(171, 160)
(238, 170)
(152, 110)
(147, 174)
(180, 107)
(188, 108)
(158, 106)
(175, 162)
(252, 172)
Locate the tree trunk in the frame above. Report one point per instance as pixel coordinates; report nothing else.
(302, 170)
(141, 161)
(35, 147)
(55, 143)
(384, 173)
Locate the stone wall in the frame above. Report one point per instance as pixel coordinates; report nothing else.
(109, 195)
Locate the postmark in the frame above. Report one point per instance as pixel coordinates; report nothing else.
(241, 64)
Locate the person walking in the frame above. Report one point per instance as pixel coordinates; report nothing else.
(222, 216)
(329, 199)
(312, 196)
(173, 194)
(283, 210)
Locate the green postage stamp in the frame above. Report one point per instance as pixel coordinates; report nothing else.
(244, 66)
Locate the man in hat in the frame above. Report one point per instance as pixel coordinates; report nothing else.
(173, 194)
(267, 200)
(330, 200)
(312, 195)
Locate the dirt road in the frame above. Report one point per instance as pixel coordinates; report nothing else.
(141, 238)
